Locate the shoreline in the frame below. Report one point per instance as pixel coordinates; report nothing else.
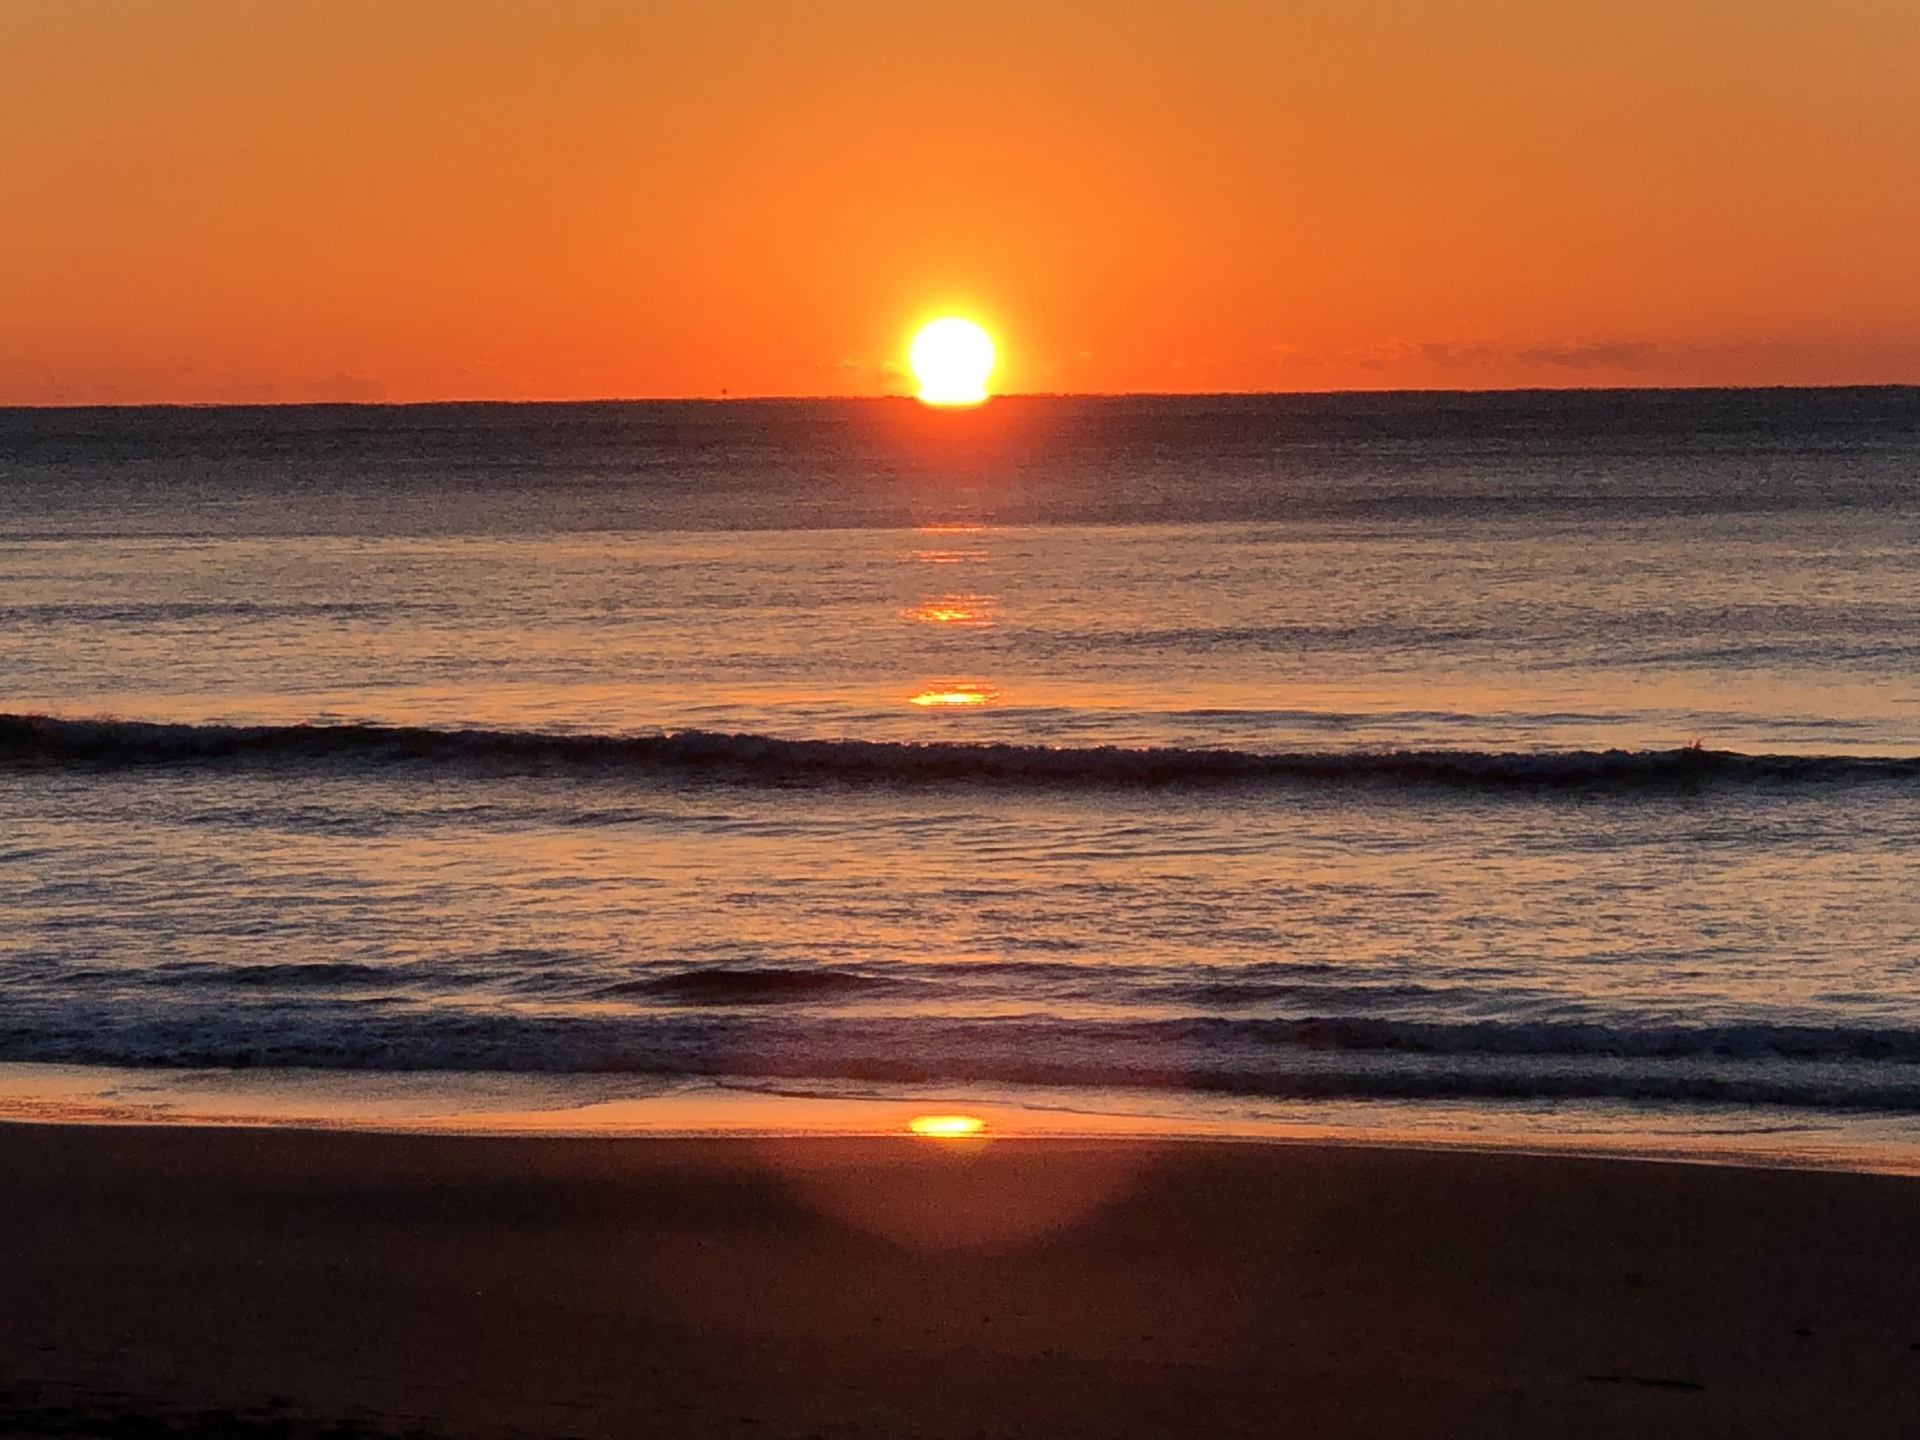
(289, 1283)
(558, 1106)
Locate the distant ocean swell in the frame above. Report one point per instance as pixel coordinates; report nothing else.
(1852, 1069)
(41, 741)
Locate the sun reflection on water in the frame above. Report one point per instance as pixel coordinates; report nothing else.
(946, 696)
(951, 610)
(949, 557)
(946, 1127)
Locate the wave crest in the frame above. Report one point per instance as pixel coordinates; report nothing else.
(47, 742)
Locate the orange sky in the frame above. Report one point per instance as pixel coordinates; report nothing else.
(359, 199)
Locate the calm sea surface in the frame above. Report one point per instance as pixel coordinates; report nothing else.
(1553, 753)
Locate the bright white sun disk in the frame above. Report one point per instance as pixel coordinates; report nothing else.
(952, 358)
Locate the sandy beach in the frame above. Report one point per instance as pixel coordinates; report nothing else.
(283, 1283)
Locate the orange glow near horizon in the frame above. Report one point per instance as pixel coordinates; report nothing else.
(216, 200)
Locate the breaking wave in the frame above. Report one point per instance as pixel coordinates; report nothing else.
(1859, 1069)
(743, 985)
(32, 741)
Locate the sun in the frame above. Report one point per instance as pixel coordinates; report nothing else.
(952, 358)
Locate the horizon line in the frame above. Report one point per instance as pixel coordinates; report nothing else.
(797, 399)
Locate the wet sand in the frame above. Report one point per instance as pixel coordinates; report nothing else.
(274, 1283)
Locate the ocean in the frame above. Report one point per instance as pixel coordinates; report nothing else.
(1533, 768)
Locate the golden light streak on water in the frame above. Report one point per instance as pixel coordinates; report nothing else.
(946, 1127)
(951, 610)
(946, 696)
(949, 557)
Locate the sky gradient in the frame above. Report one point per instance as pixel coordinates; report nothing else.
(366, 200)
